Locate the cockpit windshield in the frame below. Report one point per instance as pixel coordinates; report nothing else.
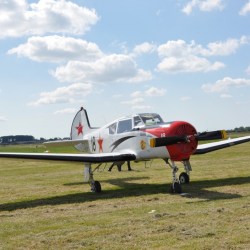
(150, 119)
(127, 124)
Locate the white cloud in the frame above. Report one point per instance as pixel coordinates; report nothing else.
(225, 96)
(225, 83)
(141, 76)
(225, 48)
(138, 97)
(3, 119)
(86, 62)
(110, 68)
(141, 107)
(176, 48)
(153, 91)
(134, 101)
(137, 94)
(245, 9)
(64, 94)
(203, 5)
(187, 9)
(209, 5)
(185, 98)
(180, 56)
(144, 48)
(19, 18)
(188, 64)
(180, 48)
(57, 49)
(65, 111)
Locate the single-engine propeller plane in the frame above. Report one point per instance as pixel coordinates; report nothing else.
(139, 137)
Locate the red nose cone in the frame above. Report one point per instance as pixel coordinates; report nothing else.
(183, 150)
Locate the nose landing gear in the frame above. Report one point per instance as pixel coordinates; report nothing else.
(183, 177)
(175, 186)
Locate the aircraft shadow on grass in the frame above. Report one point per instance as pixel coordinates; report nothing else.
(197, 189)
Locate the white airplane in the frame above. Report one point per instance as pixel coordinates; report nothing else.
(139, 137)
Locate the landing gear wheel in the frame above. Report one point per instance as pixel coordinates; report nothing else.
(175, 188)
(96, 187)
(184, 178)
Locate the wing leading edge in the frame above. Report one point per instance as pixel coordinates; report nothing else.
(86, 158)
(209, 147)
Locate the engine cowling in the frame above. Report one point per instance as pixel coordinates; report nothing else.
(180, 150)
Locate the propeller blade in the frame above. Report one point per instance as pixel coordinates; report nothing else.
(165, 141)
(212, 135)
(170, 140)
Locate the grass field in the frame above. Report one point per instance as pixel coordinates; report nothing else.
(45, 205)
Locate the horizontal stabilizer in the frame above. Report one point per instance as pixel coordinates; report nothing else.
(62, 143)
(80, 145)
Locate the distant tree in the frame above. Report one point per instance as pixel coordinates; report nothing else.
(241, 129)
(17, 139)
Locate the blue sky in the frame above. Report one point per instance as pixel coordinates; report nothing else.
(186, 60)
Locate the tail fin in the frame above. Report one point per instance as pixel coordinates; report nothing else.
(80, 125)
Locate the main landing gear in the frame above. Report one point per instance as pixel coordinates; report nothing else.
(174, 188)
(88, 177)
(183, 177)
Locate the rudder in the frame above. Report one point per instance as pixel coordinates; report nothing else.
(80, 125)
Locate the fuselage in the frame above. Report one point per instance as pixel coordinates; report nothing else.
(132, 134)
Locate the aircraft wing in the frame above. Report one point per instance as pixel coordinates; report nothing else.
(209, 147)
(91, 158)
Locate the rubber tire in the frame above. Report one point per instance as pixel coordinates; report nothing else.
(96, 187)
(175, 188)
(184, 178)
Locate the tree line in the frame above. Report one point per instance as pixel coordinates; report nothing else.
(25, 139)
(16, 139)
(240, 129)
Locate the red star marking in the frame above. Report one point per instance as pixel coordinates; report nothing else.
(100, 141)
(79, 129)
